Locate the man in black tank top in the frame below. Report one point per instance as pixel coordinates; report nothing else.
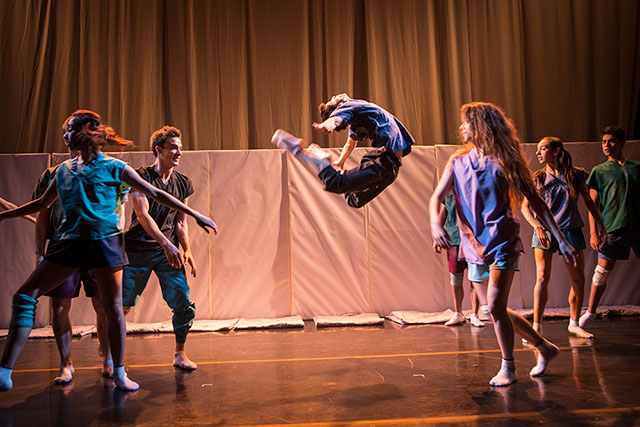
(154, 239)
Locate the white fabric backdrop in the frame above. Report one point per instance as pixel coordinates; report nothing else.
(287, 247)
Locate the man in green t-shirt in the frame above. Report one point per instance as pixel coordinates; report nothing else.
(615, 187)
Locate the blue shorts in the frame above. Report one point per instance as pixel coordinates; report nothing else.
(574, 236)
(70, 288)
(480, 272)
(617, 245)
(88, 254)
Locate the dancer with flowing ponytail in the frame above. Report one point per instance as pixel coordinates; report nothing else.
(489, 177)
(560, 184)
(90, 188)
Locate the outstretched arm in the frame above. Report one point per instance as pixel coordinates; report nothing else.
(596, 225)
(329, 125)
(439, 234)
(141, 208)
(346, 152)
(182, 232)
(33, 206)
(5, 204)
(132, 178)
(544, 213)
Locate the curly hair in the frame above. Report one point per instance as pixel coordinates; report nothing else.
(159, 137)
(90, 130)
(495, 134)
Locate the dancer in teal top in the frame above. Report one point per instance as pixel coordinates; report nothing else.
(90, 189)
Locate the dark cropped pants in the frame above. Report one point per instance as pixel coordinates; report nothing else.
(378, 169)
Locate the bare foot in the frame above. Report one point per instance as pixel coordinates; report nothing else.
(181, 361)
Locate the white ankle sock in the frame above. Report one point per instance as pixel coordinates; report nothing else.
(121, 380)
(456, 319)
(575, 329)
(475, 321)
(506, 375)
(586, 317)
(65, 374)
(546, 352)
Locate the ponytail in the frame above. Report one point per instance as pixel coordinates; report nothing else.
(91, 129)
(565, 165)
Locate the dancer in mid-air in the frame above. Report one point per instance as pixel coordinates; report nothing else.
(378, 168)
(489, 177)
(90, 188)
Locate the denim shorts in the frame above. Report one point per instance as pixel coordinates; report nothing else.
(480, 272)
(574, 236)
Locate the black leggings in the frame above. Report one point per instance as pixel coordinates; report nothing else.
(378, 169)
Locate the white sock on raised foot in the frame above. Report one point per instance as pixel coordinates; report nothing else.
(457, 319)
(5, 378)
(475, 321)
(575, 329)
(121, 380)
(586, 317)
(107, 368)
(506, 375)
(181, 360)
(546, 352)
(65, 374)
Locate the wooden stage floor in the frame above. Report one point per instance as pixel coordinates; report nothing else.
(351, 376)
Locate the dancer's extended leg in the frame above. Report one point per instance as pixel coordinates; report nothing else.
(45, 277)
(311, 158)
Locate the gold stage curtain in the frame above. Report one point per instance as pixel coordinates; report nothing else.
(228, 72)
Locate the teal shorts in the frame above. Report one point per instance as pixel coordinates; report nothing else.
(480, 272)
(573, 235)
